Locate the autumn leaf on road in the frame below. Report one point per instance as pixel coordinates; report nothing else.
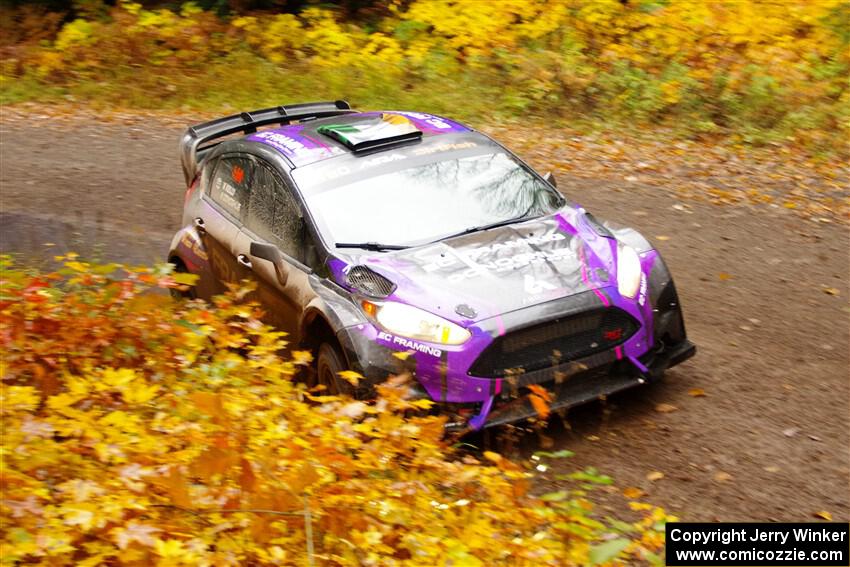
(721, 476)
(632, 492)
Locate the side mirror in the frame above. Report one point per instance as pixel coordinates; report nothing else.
(550, 179)
(270, 253)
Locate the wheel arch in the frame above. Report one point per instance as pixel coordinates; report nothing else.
(316, 328)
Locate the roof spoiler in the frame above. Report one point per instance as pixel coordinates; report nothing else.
(200, 138)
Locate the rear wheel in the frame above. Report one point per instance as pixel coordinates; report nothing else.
(329, 364)
(180, 268)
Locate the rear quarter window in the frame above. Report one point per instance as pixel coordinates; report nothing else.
(229, 186)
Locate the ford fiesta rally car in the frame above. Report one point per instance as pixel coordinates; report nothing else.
(373, 233)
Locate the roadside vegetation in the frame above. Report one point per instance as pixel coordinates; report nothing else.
(138, 429)
(757, 71)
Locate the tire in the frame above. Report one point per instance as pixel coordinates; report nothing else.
(329, 364)
(191, 293)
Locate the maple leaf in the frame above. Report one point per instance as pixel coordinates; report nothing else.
(28, 506)
(350, 376)
(82, 517)
(170, 548)
(135, 532)
(36, 428)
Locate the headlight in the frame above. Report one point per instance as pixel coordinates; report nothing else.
(628, 271)
(413, 323)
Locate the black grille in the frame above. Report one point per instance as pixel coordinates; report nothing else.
(555, 342)
(368, 282)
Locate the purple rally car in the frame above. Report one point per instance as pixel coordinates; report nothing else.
(375, 233)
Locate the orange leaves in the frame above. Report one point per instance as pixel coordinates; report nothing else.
(540, 398)
(209, 403)
(247, 478)
(214, 461)
(177, 489)
(303, 478)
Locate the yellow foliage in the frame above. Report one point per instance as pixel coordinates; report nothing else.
(182, 439)
(751, 64)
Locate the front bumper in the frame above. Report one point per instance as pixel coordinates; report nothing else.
(569, 390)
(475, 402)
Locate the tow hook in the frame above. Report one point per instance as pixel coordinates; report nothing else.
(478, 421)
(644, 371)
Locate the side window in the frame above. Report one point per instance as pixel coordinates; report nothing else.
(229, 187)
(273, 213)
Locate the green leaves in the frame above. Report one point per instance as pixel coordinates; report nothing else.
(562, 454)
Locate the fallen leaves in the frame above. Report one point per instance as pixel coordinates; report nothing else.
(605, 552)
(665, 408)
(633, 492)
(823, 515)
(654, 476)
(722, 476)
(493, 457)
(697, 393)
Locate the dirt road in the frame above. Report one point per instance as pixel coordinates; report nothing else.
(764, 291)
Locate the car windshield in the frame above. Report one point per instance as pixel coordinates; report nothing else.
(430, 201)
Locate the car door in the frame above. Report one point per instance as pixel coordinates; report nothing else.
(220, 215)
(274, 217)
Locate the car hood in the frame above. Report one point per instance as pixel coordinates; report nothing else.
(480, 275)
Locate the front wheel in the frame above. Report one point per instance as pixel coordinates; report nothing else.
(329, 364)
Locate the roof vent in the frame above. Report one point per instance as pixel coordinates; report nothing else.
(385, 130)
(369, 282)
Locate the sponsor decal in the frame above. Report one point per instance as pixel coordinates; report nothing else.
(534, 286)
(506, 263)
(225, 193)
(220, 265)
(430, 119)
(380, 160)
(642, 291)
(515, 243)
(501, 265)
(613, 335)
(282, 142)
(444, 148)
(409, 344)
(193, 246)
(538, 290)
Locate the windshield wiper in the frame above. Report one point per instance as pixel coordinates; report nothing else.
(483, 227)
(374, 246)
